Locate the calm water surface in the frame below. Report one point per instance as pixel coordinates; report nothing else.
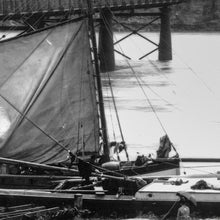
(184, 93)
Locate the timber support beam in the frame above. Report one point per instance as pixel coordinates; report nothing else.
(106, 46)
(165, 45)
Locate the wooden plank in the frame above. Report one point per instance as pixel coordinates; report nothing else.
(19, 207)
(43, 177)
(78, 191)
(201, 160)
(33, 181)
(13, 213)
(36, 165)
(38, 213)
(34, 194)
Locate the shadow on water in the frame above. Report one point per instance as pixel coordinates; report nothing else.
(127, 83)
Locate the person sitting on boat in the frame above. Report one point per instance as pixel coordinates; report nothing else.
(118, 147)
(164, 148)
(183, 211)
(85, 170)
(142, 159)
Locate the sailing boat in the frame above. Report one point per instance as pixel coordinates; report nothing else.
(48, 101)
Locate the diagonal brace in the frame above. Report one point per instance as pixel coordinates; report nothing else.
(136, 31)
(148, 53)
(122, 54)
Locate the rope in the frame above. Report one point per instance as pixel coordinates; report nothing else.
(113, 97)
(165, 216)
(34, 124)
(140, 85)
(111, 116)
(24, 115)
(72, 156)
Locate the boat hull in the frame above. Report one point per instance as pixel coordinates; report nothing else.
(131, 207)
(162, 167)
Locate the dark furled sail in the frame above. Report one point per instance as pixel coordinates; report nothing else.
(48, 77)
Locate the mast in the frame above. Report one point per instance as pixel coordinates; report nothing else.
(98, 81)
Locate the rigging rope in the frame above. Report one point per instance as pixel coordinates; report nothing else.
(73, 156)
(24, 114)
(113, 97)
(140, 85)
(34, 124)
(110, 109)
(150, 104)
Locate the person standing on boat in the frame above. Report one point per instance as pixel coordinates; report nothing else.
(183, 211)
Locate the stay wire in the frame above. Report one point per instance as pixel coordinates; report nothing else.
(149, 86)
(147, 98)
(108, 101)
(55, 140)
(110, 86)
(24, 114)
(111, 115)
(174, 84)
(113, 97)
(160, 122)
(33, 123)
(167, 102)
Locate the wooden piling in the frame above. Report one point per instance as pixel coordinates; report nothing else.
(106, 46)
(78, 201)
(165, 45)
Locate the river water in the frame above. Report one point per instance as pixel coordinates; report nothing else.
(184, 94)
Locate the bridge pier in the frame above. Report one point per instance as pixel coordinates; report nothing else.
(106, 45)
(165, 45)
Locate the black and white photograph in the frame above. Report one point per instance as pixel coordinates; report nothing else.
(109, 109)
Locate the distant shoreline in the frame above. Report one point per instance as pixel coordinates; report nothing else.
(174, 28)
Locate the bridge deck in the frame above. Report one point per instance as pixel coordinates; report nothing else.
(18, 8)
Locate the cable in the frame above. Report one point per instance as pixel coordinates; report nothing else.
(34, 124)
(160, 122)
(113, 98)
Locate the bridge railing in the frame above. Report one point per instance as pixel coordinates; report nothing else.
(28, 6)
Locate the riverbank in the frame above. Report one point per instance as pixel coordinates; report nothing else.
(174, 27)
(137, 22)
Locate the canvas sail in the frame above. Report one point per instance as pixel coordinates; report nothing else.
(47, 76)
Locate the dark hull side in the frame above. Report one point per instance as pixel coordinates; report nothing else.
(164, 167)
(132, 208)
(156, 166)
(107, 205)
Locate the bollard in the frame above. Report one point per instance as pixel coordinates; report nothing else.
(78, 202)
